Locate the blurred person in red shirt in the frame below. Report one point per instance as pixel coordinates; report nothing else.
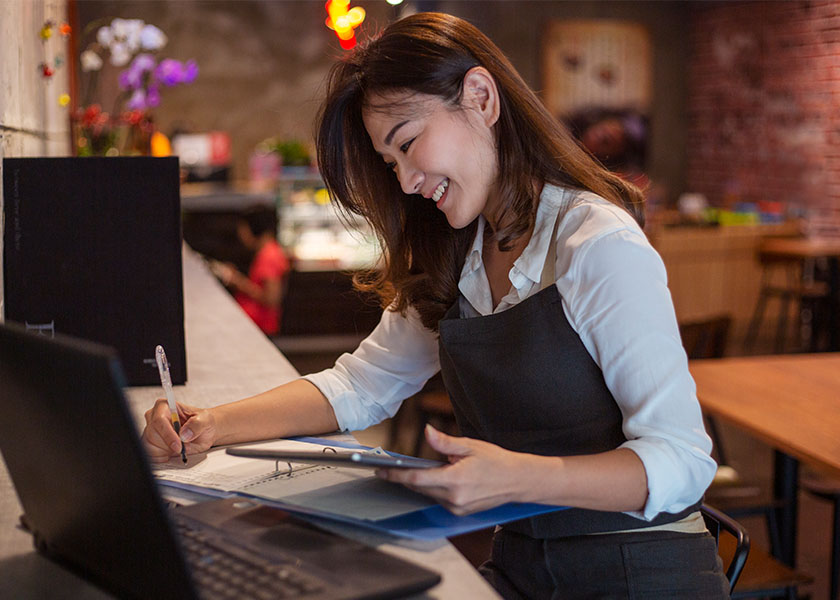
(260, 293)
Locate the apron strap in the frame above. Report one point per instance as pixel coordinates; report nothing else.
(549, 276)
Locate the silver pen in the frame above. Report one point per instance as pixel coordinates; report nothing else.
(166, 382)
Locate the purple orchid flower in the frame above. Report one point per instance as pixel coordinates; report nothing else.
(132, 78)
(137, 100)
(169, 72)
(190, 71)
(153, 96)
(173, 72)
(145, 76)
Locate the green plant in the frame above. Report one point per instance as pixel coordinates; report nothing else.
(293, 152)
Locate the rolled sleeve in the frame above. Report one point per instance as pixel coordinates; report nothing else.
(391, 364)
(622, 309)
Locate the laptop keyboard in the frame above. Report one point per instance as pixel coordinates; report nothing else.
(222, 571)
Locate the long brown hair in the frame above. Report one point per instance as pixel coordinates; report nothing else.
(430, 53)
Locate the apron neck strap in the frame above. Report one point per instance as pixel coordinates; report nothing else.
(549, 276)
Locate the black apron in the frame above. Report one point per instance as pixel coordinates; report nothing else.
(523, 380)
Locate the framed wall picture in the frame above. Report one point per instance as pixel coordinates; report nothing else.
(597, 77)
(596, 62)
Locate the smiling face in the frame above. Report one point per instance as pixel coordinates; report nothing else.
(445, 154)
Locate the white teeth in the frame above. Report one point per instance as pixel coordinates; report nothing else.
(440, 189)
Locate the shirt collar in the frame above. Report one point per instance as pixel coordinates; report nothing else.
(527, 269)
(530, 263)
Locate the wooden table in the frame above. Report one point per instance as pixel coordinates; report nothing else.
(800, 248)
(790, 402)
(228, 358)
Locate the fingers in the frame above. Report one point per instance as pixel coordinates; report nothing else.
(439, 483)
(454, 447)
(470, 508)
(199, 432)
(160, 405)
(415, 479)
(157, 449)
(442, 486)
(472, 481)
(194, 427)
(159, 435)
(185, 411)
(447, 444)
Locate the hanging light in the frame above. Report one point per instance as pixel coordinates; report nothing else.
(343, 20)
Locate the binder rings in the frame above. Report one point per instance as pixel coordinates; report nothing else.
(92, 248)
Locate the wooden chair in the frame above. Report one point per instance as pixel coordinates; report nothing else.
(828, 489)
(706, 338)
(756, 573)
(717, 523)
(763, 576)
(790, 280)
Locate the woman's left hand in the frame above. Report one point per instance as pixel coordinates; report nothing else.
(480, 475)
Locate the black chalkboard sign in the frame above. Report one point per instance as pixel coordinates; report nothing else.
(92, 249)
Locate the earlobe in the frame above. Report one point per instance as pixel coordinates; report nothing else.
(480, 92)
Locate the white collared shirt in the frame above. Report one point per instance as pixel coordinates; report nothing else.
(615, 296)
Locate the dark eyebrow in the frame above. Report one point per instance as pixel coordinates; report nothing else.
(393, 131)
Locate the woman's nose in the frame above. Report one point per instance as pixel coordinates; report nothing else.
(411, 179)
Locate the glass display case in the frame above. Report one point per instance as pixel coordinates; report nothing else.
(313, 233)
(321, 305)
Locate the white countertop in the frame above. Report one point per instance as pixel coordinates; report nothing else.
(228, 358)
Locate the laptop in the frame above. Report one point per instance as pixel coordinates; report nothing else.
(74, 455)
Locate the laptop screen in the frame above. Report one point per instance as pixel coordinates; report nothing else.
(71, 447)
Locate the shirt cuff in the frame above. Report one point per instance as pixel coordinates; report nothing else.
(672, 474)
(351, 411)
(341, 400)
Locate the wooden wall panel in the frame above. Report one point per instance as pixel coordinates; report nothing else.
(715, 270)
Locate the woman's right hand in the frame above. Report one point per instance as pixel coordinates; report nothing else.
(198, 431)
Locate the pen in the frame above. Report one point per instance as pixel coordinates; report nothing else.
(166, 382)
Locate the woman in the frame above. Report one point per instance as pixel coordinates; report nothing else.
(512, 263)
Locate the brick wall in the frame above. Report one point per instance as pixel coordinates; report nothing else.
(764, 103)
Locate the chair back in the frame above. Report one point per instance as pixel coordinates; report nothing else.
(706, 338)
(717, 523)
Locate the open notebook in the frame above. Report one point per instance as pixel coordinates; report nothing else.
(91, 503)
(350, 493)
